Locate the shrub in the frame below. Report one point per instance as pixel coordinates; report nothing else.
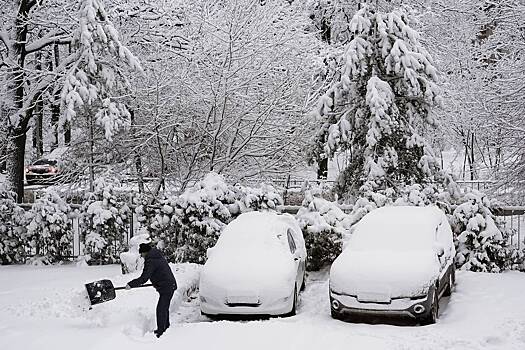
(49, 229)
(324, 225)
(12, 229)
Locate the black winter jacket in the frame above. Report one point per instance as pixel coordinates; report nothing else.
(157, 270)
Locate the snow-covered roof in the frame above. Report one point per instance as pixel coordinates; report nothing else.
(255, 228)
(397, 228)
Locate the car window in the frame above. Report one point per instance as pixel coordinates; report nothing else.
(291, 242)
(45, 162)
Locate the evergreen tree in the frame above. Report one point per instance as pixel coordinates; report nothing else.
(376, 109)
(481, 242)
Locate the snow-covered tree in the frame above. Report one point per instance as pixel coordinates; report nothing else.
(264, 197)
(377, 108)
(104, 222)
(481, 243)
(324, 227)
(49, 229)
(89, 68)
(12, 229)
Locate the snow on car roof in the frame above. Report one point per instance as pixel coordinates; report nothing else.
(397, 227)
(259, 227)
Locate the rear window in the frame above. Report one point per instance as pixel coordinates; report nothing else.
(45, 162)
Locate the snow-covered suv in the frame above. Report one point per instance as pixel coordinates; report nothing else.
(399, 261)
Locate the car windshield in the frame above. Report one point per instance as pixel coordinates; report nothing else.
(45, 162)
(412, 229)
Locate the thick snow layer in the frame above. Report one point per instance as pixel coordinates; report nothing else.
(485, 312)
(253, 255)
(391, 252)
(399, 228)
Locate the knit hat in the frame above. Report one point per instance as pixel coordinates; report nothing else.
(144, 248)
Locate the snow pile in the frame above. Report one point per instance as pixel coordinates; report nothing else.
(66, 299)
(324, 226)
(12, 228)
(481, 244)
(104, 221)
(49, 230)
(131, 260)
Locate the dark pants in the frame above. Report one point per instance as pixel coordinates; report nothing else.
(163, 309)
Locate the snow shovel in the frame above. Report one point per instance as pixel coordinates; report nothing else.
(103, 290)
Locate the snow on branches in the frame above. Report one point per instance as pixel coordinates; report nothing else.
(49, 229)
(95, 76)
(377, 108)
(482, 243)
(12, 228)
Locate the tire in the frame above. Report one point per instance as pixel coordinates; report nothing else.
(450, 285)
(433, 315)
(303, 285)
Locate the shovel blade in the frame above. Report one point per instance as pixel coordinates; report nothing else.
(100, 291)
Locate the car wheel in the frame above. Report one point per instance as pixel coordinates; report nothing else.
(450, 286)
(303, 285)
(433, 313)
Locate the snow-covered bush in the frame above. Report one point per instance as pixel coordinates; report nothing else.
(104, 222)
(131, 260)
(201, 212)
(12, 229)
(49, 230)
(324, 226)
(264, 197)
(481, 245)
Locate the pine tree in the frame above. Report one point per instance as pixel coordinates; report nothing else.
(376, 109)
(49, 230)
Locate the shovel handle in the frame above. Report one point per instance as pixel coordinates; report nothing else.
(144, 285)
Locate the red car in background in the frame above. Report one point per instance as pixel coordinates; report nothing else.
(43, 171)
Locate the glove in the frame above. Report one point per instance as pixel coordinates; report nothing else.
(128, 287)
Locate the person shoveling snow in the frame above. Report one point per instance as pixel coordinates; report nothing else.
(157, 270)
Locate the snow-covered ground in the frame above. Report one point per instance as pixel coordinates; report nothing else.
(40, 309)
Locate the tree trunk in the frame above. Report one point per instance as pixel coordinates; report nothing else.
(138, 159)
(55, 106)
(16, 148)
(15, 81)
(38, 142)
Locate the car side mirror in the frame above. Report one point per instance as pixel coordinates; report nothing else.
(439, 249)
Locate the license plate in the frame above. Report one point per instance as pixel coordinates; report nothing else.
(374, 298)
(242, 299)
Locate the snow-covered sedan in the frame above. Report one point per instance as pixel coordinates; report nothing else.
(398, 262)
(257, 267)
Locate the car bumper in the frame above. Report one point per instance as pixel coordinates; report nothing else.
(349, 306)
(216, 307)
